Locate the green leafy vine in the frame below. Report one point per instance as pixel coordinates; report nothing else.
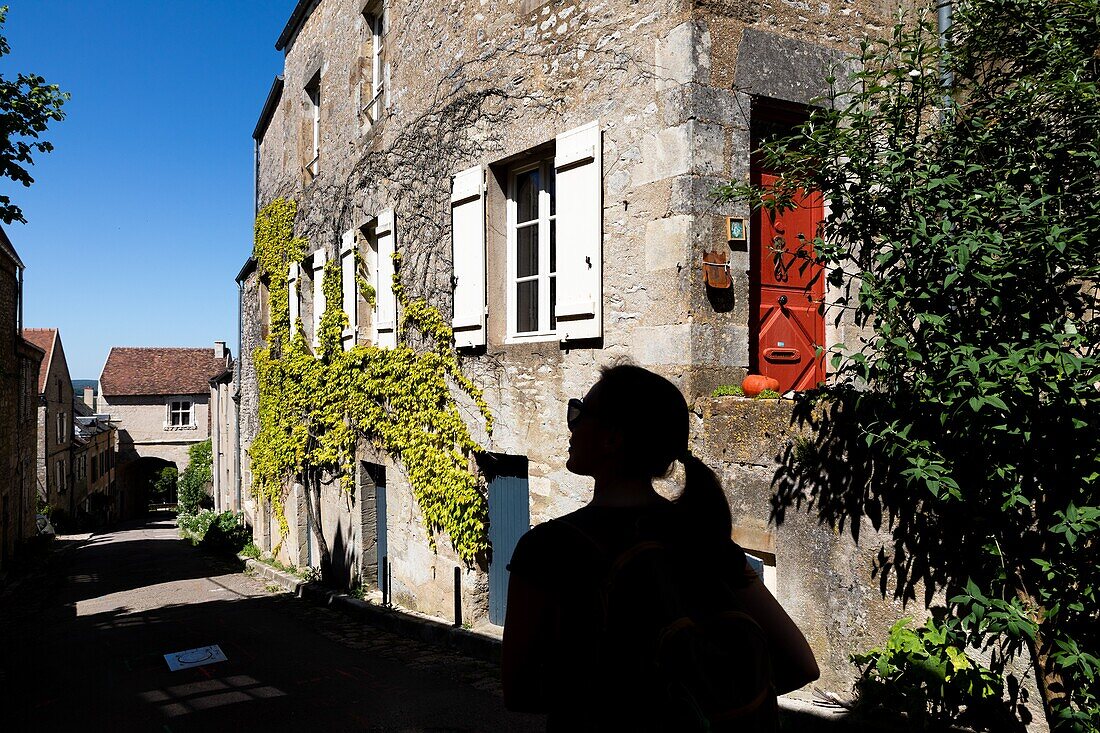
(314, 406)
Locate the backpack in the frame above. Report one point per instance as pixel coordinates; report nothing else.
(676, 645)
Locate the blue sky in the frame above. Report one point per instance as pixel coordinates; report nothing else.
(141, 217)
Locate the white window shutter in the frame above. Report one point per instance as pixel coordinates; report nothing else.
(385, 322)
(292, 294)
(578, 164)
(468, 256)
(349, 289)
(319, 304)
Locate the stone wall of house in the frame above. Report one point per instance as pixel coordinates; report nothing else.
(252, 337)
(56, 403)
(142, 434)
(19, 364)
(822, 577)
(223, 446)
(673, 87)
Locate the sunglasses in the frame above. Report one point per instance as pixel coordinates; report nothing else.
(573, 412)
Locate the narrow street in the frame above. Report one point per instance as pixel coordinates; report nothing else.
(84, 643)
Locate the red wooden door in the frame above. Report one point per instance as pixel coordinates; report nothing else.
(789, 290)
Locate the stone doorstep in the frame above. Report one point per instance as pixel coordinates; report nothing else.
(798, 714)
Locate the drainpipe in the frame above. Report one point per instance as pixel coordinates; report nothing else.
(947, 79)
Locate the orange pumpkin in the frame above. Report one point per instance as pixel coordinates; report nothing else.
(754, 384)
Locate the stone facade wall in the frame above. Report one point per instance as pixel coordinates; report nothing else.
(223, 447)
(143, 434)
(102, 447)
(19, 364)
(673, 86)
(56, 403)
(252, 337)
(823, 577)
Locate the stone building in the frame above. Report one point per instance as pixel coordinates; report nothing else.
(20, 361)
(55, 425)
(94, 453)
(160, 399)
(224, 449)
(545, 170)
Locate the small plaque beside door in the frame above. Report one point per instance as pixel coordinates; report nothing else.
(737, 230)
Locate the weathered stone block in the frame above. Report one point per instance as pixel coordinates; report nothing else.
(666, 242)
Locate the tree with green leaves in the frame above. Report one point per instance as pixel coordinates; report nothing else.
(27, 106)
(197, 478)
(963, 236)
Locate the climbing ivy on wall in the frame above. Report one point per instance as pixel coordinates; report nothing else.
(314, 406)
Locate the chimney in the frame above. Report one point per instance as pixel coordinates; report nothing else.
(219, 349)
(89, 397)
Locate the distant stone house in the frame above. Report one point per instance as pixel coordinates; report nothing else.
(94, 455)
(224, 446)
(55, 424)
(545, 171)
(20, 361)
(160, 398)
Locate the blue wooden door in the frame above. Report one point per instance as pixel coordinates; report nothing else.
(509, 519)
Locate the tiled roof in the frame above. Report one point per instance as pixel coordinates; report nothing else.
(159, 371)
(43, 338)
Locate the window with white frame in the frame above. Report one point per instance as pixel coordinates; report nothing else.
(358, 261)
(370, 322)
(372, 90)
(553, 244)
(313, 98)
(181, 413)
(532, 249)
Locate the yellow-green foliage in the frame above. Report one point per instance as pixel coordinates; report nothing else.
(314, 407)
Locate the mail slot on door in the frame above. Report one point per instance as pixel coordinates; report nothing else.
(782, 355)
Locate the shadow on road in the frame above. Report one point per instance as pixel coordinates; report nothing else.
(88, 654)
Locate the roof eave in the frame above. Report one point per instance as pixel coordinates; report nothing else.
(297, 17)
(273, 96)
(248, 268)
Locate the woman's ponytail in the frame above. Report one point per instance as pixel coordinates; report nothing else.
(703, 500)
(652, 415)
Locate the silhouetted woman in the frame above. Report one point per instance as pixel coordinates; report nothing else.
(627, 430)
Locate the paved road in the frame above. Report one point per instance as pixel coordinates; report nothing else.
(83, 645)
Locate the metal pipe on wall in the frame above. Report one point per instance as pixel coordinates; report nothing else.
(943, 20)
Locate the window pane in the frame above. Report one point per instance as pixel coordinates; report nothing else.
(553, 302)
(553, 245)
(527, 251)
(552, 188)
(527, 306)
(527, 196)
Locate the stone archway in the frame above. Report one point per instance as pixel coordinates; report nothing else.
(136, 482)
